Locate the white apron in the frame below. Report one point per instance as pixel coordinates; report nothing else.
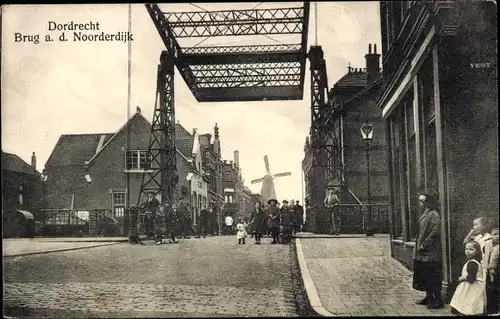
(242, 232)
(470, 298)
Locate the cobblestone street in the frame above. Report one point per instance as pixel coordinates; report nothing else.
(197, 277)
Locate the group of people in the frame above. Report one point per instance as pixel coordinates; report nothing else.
(477, 292)
(278, 222)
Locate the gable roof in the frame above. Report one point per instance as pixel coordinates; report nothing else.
(13, 163)
(76, 149)
(365, 90)
(353, 79)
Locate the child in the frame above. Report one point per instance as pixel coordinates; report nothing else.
(479, 233)
(470, 296)
(242, 231)
(491, 265)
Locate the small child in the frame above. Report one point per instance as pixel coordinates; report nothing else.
(491, 265)
(470, 296)
(479, 233)
(242, 231)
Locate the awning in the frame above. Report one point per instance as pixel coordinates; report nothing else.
(26, 214)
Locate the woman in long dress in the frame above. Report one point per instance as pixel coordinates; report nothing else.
(258, 222)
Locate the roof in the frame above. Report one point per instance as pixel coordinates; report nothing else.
(365, 90)
(13, 163)
(350, 79)
(183, 140)
(76, 149)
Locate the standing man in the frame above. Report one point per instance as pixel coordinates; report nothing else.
(212, 220)
(203, 223)
(331, 204)
(274, 215)
(188, 217)
(151, 205)
(298, 217)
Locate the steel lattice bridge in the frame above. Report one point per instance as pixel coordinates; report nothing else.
(238, 72)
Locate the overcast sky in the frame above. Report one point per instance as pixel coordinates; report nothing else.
(49, 89)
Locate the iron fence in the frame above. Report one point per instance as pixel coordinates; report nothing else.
(349, 218)
(68, 222)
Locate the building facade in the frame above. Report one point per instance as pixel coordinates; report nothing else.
(353, 99)
(233, 186)
(440, 107)
(213, 167)
(22, 185)
(104, 171)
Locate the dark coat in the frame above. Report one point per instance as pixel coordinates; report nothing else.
(428, 244)
(259, 220)
(286, 216)
(174, 220)
(152, 206)
(298, 215)
(203, 216)
(274, 219)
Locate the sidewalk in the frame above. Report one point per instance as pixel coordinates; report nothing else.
(13, 247)
(356, 276)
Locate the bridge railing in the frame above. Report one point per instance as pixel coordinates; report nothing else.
(349, 218)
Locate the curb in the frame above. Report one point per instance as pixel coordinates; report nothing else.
(311, 291)
(58, 250)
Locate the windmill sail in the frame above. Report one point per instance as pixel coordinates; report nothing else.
(267, 191)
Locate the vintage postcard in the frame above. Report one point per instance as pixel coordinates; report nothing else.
(256, 159)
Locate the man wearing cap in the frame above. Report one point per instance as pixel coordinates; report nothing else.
(274, 223)
(298, 216)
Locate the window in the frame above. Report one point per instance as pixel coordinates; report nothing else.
(119, 204)
(228, 177)
(138, 160)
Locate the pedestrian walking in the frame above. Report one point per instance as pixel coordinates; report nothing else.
(492, 281)
(427, 274)
(470, 296)
(241, 227)
(258, 222)
(203, 223)
(274, 215)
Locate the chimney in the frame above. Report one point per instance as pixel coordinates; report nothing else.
(33, 161)
(138, 110)
(372, 64)
(237, 158)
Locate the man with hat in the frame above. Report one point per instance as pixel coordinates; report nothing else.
(298, 216)
(332, 200)
(274, 222)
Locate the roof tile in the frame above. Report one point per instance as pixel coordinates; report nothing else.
(351, 79)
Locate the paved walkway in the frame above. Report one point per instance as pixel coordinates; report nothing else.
(358, 277)
(13, 247)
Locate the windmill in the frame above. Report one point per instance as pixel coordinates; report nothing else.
(267, 191)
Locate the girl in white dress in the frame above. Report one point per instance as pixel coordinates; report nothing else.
(242, 231)
(470, 295)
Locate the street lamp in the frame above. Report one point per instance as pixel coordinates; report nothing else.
(367, 135)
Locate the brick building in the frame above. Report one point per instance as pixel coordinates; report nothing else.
(440, 106)
(233, 186)
(96, 171)
(353, 99)
(22, 186)
(213, 166)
